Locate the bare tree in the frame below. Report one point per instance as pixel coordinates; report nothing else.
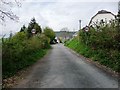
(5, 10)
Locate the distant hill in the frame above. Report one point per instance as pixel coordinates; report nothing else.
(64, 34)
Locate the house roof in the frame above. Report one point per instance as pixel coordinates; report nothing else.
(101, 12)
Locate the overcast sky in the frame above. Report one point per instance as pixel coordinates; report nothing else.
(58, 14)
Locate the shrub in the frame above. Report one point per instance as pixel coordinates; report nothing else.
(19, 52)
(101, 44)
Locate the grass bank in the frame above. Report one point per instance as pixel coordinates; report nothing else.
(104, 57)
(27, 60)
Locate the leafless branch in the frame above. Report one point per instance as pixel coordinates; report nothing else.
(7, 12)
(18, 3)
(4, 2)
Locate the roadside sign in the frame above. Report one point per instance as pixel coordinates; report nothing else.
(86, 28)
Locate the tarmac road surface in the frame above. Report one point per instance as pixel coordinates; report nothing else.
(61, 68)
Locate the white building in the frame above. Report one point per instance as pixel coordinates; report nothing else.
(103, 15)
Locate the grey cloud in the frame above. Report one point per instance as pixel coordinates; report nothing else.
(59, 14)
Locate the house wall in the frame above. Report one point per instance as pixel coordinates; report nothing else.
(106, 17)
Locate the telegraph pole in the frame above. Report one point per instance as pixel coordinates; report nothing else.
(119, 6)
(79, 24)
(79, 30)
(118, 15)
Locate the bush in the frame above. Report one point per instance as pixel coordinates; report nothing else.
(19, 52)
(50, 34)
(100, 44)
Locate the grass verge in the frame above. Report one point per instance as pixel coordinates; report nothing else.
(108, 58)
(22, 63)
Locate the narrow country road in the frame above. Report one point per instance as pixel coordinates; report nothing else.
(61, 68)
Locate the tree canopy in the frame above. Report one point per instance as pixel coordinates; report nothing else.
(33, 25)
(49, 33)
(23, 29)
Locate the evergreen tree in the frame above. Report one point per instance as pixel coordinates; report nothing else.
(23, 29)
(33, 25)
(37, 28)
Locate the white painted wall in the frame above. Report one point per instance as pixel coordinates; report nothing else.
(106, 17)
